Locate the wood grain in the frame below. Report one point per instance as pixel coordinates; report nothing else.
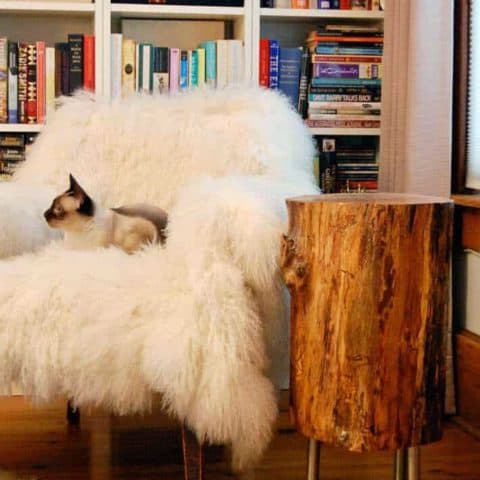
(468, 377)
(471, 228)
(368, 276)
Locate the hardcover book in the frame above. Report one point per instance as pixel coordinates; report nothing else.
(22, 83)
(210, 62)
(274, 64)
(222, 63)
(31, 83)
(264, 68)
(289, 73)
(201, 67)
(116, 41)
(12, 82)
(160, 70)
(41, 87)
(128, 66)
(347, 70)
(174, 62)
(235, 62)
(89, 62)
(50, 80)
(303, 86)
(183, 69)
(75, 45)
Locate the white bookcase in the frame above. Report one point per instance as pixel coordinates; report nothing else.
(53, 20)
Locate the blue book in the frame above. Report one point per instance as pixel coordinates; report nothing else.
(345, 82)
(194, 69)
(334, 50)
(183, 69)
(274, 64)
(289, 73)
(210, 62)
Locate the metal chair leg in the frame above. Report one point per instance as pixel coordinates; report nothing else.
(414, 463)
(192, 455)
(313, 472)
(407, 464)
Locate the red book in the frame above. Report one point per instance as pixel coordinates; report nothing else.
(41, 94)
(264, 70)
(345, 5)
(31, 83)
(89, 62)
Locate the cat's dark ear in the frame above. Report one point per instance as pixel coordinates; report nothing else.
(86, 203)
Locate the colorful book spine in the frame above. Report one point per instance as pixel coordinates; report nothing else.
(324, 4)
(50, 80)
(12, 82)
(160, 70)
(146, 67)
(335, 123)
(31, 83)
(235, 62)
(264, 67)
(274, 64)
(328, 116)
(345, 90)
(210, 63)
(41, 87)
(201, 67)
(299, 4)
(347, 70)
(289, 73)
(193, 68)
(22, 82)
(65, 68)
(316, 58)
(302, 106)
(346, 82)
(345, 4)
(137, 67)
(174, 80)
(363, 106)
(116, 41)
(222, 63)
(336, 49)
(128, 67)
(3, 80)
(183, 69)
(89, 62)
(266, 4)
(319, 97)
(75, 45)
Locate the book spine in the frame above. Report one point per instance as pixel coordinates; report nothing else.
(359, 5)
(211, 63)
(160, 74)
(324, 4)
(299, 4)
(347, 70)
(266, 4)
(183, 69)
(337, 90)
(235, 62)
(264, 67)
(138, 63)
(41, 82)
(201, 66)
(222, 63)
(345, 4)
(316, 58)
(289, 73)
(128, 67)
(12, 82)
(75, 45)
(346, 82)
(332, 38)
(174, 69)
(314, 98)
(65, 79)
(31, 83)
(116, 40)
(341, 50)
(361, 106)
(303, 86)
(50, 62)
(89, 62)
(274, 64)
(22, 82)
(335, 4)
(3, 80)
(193, 77)
(329, 116)
(147, 73)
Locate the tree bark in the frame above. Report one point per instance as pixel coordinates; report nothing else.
(368, 276)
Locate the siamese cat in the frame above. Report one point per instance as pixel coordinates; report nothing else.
(86, 225)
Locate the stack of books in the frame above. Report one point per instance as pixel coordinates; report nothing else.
(325, 4)
(13, 147)
(346, 77)
(143, 67)
(32, 75)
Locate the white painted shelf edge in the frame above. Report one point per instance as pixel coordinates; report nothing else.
(346, 131)
(48, 7)
(305, 14)
(177, 11)
(20, 127)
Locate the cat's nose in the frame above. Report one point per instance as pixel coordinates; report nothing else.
(47, 214)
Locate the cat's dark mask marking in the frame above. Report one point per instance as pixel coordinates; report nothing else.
(87, 206)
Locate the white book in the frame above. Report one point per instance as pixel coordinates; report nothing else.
(12, 86)
(222, 63)
(116, 65)
(50, 80)
(146, 68)
(137, 67)
(235, 62)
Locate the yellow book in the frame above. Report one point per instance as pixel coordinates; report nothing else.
(201, 67)
(128, 66)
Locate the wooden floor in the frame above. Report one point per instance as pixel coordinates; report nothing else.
(36, 443)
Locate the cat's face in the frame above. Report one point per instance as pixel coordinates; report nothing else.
(72, 210)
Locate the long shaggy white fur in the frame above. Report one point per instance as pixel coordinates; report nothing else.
(202, 320)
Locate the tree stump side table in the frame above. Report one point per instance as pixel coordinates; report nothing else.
(368, 276)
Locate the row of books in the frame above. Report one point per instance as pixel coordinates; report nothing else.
(198, 3)
(13, 148)
(325, 4)
(346, 164)
(32, 75)
(146, 68)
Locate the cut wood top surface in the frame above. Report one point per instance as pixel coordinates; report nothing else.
(378, 198)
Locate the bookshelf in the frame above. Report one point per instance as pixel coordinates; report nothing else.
(53, 20)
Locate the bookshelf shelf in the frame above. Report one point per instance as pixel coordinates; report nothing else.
(302, 15)
(20, 128)
(26, 7)
(176, 11)
(373, 132)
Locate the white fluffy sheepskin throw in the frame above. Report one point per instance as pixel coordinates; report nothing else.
(201, 320)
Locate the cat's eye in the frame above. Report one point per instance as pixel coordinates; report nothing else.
(58, 211)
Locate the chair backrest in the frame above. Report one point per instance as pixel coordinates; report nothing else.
(144, 148)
